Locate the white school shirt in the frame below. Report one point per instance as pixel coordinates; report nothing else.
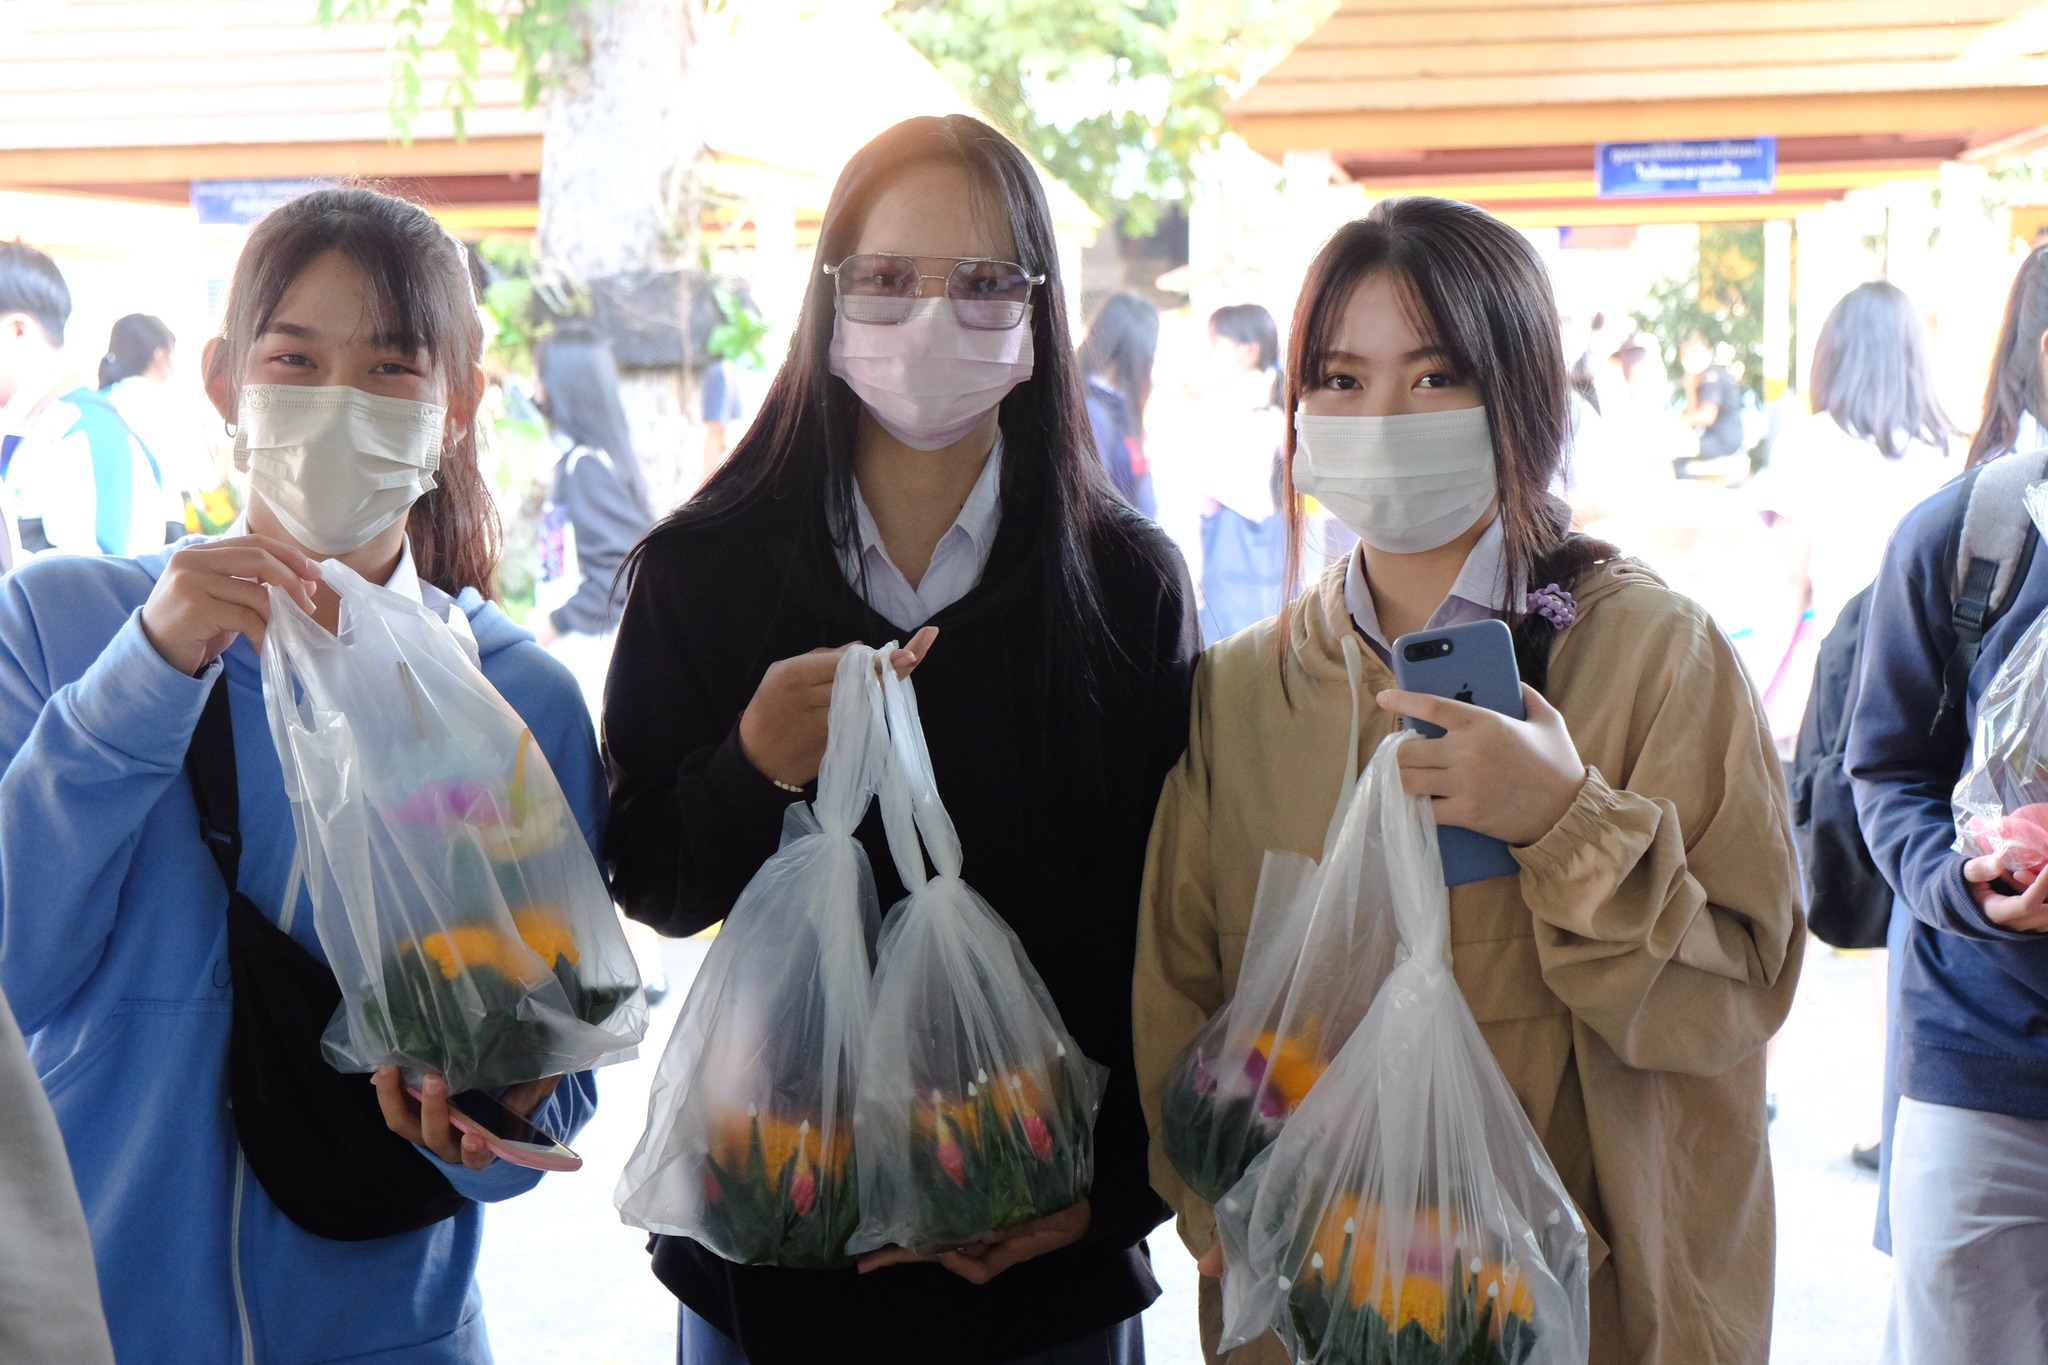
(957, 562)
(1480, 592)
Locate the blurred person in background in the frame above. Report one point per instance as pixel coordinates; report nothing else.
(134, 375)
(597, 506)
(1876, 444)
(1244, 537)
(1964, 1191)
(595, 512)
(1713, 406)
(1116, 360)
(80, 480)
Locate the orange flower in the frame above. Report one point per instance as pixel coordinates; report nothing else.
(1288, 1067)
(780, 1140)
(457, 950)
(1421, 1301)
(1506, 1291)
(547, 933)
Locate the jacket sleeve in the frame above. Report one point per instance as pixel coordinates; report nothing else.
(1179, 979)
(85, 763)
(608, 524)
(1905, 777)
(562, 1114)
(692, 819)
(1667, 898)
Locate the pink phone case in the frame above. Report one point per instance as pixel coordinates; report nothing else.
(518, 1153)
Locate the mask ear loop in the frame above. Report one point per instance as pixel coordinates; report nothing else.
(1354, 677)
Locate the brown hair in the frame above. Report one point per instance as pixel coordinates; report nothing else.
(2016, 380)
(422, 295)
(1477, 289)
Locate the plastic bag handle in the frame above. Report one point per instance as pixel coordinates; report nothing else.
(909, 788)
(856, 741)
(287, 705)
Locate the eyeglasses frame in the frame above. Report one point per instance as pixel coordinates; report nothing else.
(1031, 280)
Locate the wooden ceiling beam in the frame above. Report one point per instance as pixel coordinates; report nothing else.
(259, 161)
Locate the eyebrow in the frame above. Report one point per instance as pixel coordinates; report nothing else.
(1420, 353)
(383, 341)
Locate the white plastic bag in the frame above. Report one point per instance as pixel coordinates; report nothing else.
(2001, 805)
(976, 1109)
(1407, 1212)
(1311, 965)
(453, 892)
(749, 1138)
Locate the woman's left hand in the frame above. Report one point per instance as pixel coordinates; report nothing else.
(425, 1120)
(982, 1261)
(1512, 779)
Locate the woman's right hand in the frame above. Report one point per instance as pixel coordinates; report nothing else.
(211, 593)
(782, 731)
(2028, 911)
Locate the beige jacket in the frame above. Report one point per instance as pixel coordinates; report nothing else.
(1626, 981)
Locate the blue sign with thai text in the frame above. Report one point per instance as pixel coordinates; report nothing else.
(242, 202)
(1718, 166)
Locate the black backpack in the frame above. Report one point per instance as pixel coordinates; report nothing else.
(1990, 545)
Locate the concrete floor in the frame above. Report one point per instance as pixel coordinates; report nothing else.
(565, 1283)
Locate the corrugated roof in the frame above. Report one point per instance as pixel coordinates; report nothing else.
(1405, 75)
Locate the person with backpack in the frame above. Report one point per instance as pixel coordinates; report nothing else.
(1965, 1211)
(81, 480)
(247, 1201)
(1627, 975)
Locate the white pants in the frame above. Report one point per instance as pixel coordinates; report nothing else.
(1969, 1204)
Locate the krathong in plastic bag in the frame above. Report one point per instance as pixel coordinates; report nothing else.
(2001, 805)
(749, 1141)
(453, 893)
(976, 1109)
(1309, 972)
(1407, 1213)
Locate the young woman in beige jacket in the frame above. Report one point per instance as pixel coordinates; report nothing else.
(1629, 976)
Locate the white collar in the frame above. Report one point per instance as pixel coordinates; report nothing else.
(978, 517)
(1481, 586)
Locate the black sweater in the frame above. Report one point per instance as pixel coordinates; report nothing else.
(1053, 814)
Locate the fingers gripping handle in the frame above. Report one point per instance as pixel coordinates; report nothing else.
(856, 741)
(910, 792)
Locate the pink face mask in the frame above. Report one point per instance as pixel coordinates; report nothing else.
(927, 379)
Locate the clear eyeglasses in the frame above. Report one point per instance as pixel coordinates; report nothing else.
(987, 295)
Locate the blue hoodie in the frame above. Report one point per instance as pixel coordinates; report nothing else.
(1972, 1011)
(113, 944)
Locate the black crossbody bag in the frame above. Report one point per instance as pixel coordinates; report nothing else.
(314, 1137)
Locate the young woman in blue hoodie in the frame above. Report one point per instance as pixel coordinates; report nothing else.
(1967, 1156)
(355, 311)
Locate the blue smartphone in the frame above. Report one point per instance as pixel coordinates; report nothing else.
(1473, 663)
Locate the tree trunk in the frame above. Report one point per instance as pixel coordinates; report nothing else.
(618, 169)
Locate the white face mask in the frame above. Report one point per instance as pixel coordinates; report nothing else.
(337, 465)
(1405, 484)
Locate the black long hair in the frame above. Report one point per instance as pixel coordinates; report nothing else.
(579, 383)
(2016, 380)
(1873, 371)
(1121, 344)
(132, 347)
(1475, 287)
(799, 452)
(420, 293)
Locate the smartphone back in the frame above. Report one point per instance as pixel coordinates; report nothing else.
(1473, 663)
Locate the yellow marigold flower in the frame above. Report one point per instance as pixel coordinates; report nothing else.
(780, 1140)
(1421, 1302)
(1506, 1291)
(547, 933)
(457, 950)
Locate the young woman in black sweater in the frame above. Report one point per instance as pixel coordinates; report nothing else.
(921, 471)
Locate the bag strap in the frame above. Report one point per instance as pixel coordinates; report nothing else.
(1991, 542)
(210, 763)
